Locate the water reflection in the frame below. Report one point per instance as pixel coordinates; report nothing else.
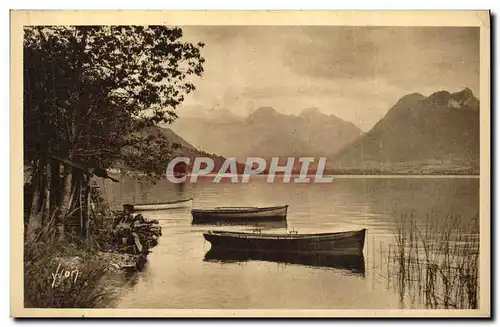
(352, 264)
(181, 274)
(118, 284)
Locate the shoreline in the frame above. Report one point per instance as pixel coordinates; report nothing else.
(342, 176)
(358, 176)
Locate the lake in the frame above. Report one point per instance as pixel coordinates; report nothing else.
(178, 276)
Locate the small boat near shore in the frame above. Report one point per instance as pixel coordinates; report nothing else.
(187, 203)
(230, 215)
(350, 242)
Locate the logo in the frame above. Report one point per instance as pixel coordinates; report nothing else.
(301, 169)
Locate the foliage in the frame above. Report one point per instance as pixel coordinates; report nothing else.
(90, 90)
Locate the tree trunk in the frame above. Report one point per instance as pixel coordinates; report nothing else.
(85, 207)
(74, 206)
(55, 195)
(29, 194)
(42, 187)
(79, 208)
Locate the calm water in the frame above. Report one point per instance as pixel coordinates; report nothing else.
(178, 275)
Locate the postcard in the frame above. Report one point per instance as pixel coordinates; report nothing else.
(250, 164)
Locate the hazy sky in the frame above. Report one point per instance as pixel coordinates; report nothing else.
(356, 73)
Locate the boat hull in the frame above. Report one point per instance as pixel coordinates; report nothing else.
(257, 224)
(234, 215)
(344, 243)
(164, 206)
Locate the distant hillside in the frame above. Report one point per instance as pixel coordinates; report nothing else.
(188, 150)
(439, 133)
(169, 134)
(268, 133)
(184, 149)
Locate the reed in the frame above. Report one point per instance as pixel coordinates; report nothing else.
(436, 262)
(64, 270)
(49, 251)
(45, 285)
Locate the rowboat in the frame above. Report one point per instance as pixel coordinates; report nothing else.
(238, 214)
(255, 223)
(354, 264)
(164, 205)
(350, 242)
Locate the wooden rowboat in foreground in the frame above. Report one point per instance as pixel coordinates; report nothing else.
(164, 205)
(350, 242)
(239, 214)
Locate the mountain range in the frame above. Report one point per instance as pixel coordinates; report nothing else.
(267, 133)
(419, 134)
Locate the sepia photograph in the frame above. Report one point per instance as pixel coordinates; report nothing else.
(250, 164)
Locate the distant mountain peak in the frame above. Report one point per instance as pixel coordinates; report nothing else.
(458, 100)
(440, 97)
(265, 110)
(414, 95)
(465, 96)
(313, 111)
(410, 98)
(440, 94)
(263, 113)
(420, 134)
(466, 92)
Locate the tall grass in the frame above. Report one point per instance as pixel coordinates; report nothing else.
(436, 263)
(43, 258)
(49, 250)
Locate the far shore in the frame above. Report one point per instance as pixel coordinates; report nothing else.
(348, 176)
(351, 176)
